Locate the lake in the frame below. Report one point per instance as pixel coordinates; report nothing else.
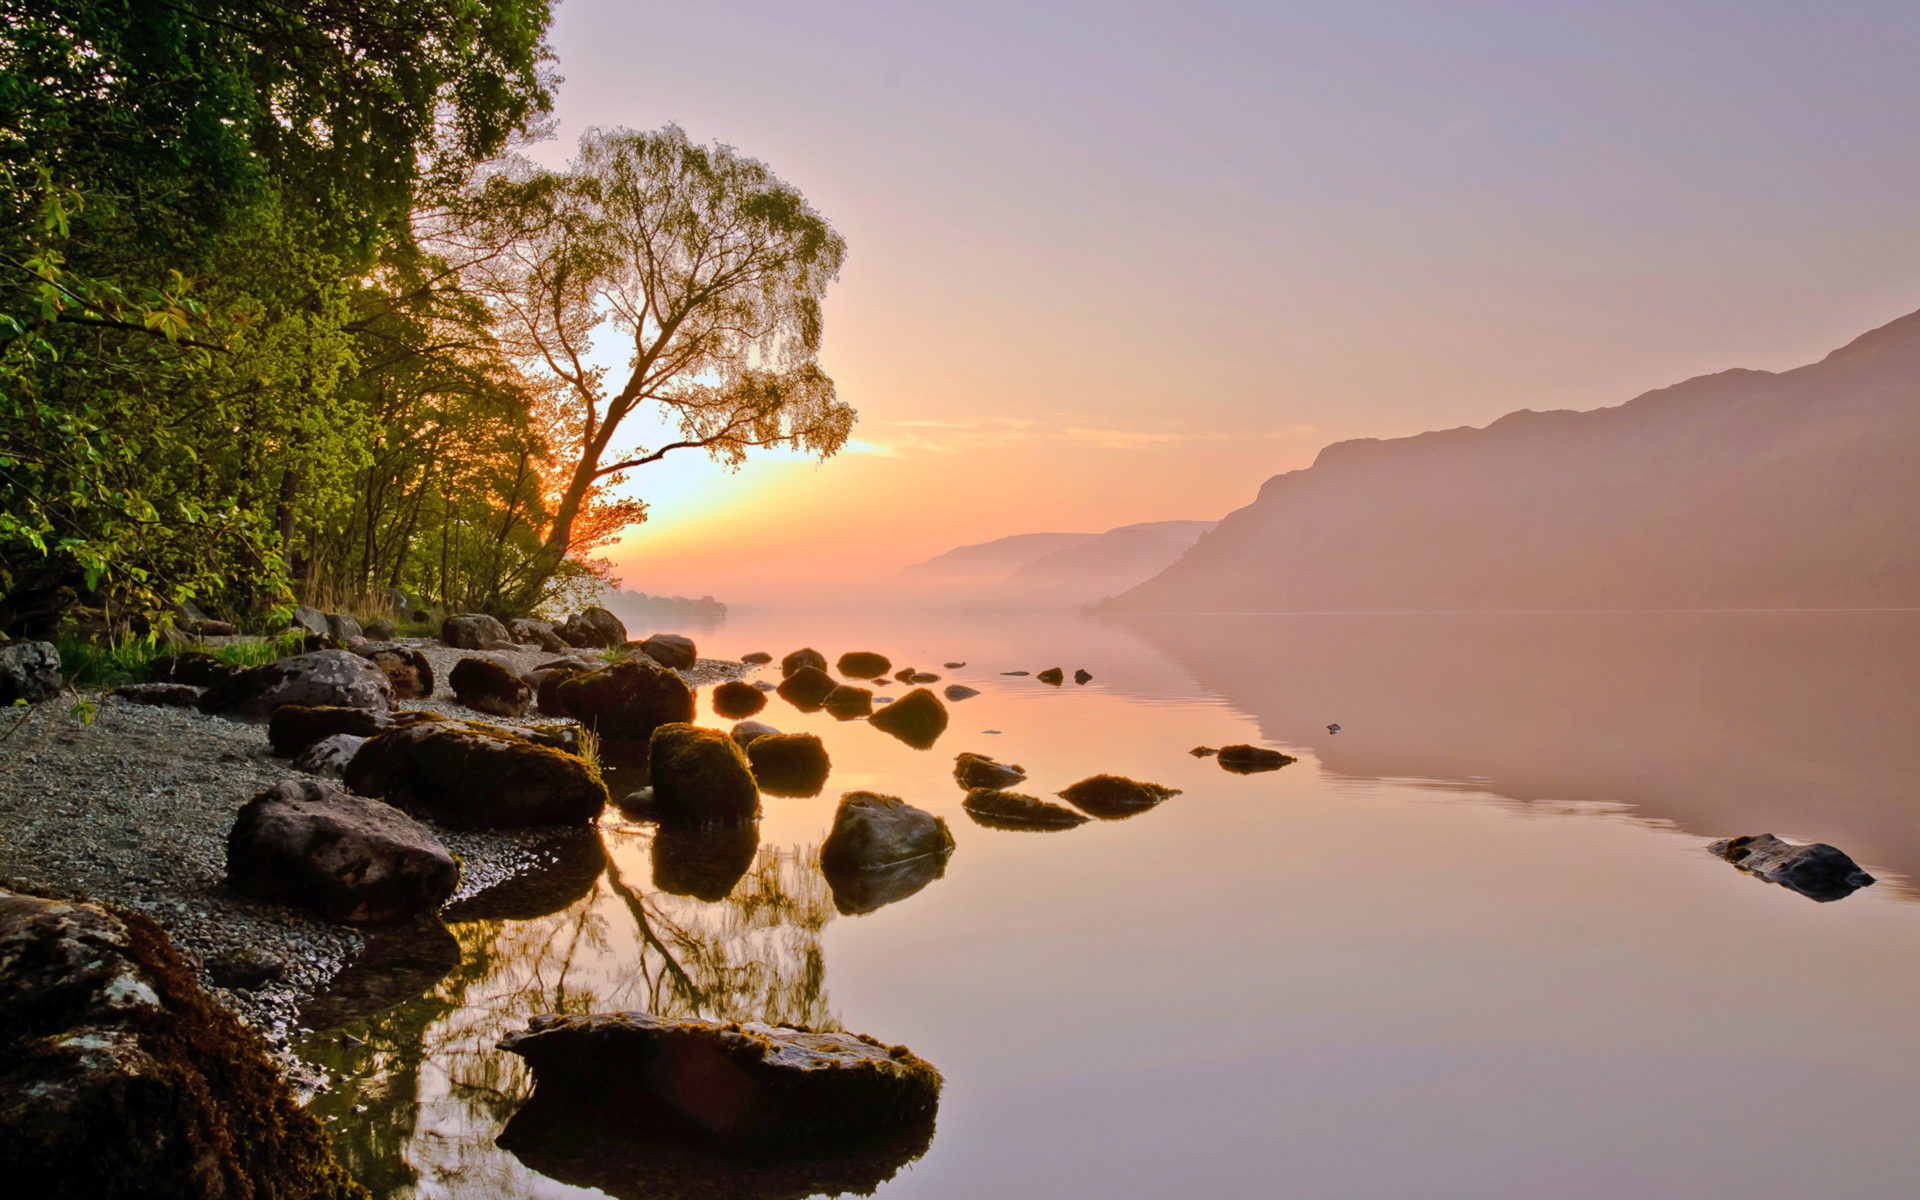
(1472, 945)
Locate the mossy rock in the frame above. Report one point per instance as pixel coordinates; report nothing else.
(1011, 810)
(627, 700)
(1245, 760)
(807, 688)
(1052, 675)
(1111, 797)
(789, 764)
(917, 718)
(804, 657)
(848, 703)
(863, 664)
(734, 700)
(477, 776)
(871, 831)
(972, 771)
(700, 778)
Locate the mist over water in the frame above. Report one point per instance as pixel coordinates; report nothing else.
(1470, 945)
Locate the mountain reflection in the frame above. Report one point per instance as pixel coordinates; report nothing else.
(1794, 723)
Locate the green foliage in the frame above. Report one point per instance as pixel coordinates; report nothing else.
(128, 658)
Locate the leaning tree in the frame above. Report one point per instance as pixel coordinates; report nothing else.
(705, 268)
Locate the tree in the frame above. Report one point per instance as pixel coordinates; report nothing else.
(709, 269)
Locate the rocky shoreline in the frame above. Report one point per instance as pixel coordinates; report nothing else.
(133, 809)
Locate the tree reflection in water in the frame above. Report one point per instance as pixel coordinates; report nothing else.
(417, 1093)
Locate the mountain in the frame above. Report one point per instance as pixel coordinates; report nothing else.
(986, 561)
(1102, 566)
(1744, 489)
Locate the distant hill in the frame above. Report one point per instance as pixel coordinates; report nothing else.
(986, 561)
(1745, 489)
(1102, 566)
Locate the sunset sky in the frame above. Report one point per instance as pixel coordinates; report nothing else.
(1122, 262)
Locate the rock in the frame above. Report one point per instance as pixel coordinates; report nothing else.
(309, 844)
(1203, 752)
(917, 718)
(734, 700)
(756, 658)
(871, 831)
(329, 756)
(1082, 676)
(744, 1086)
(1016, 672)
(1245, 760)
(546, 681)
(343, 628)
(1011, 810)
(863, 664)
(848, 703)
(763, 685)
(788, 764)
(486, 686)
(166, 695)
(406, 669)
(700, 778)
(294, 727)
(473, 631)
(904, 675)
(703, 863)
(211, 629)
(536, 633)
(807, 688)
(244, 969)
(311, 619)
(191, 667)
(1111, 797)
(979, 771)
(744, 732)
(921, 677)
(1814, 869)
(671, 650)
(1052, 675)
(808, 657)
(29, 671)
(626, 701)
(120, 1077)
(330, 677)
(959, 691)
(954, 666)
(382, 629)
(593, 629)
(477, 776)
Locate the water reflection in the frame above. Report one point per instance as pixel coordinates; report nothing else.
(703, 863)
(862, 891)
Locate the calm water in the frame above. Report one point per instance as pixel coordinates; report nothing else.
(1471, 946)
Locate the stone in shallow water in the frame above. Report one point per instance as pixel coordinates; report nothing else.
(1245, 760)
(477, 777)
(847, 703)
(627, 700)
(960, 691)
(700, 777)
(1111, 797)
(863, 664)
(1815, 869)
(917, 718)
(789, 764)
(735, 699)
(806, 688)
(748, 1086)
(1053, 675)
(804, 657)
(1011, 810)
(972, 770)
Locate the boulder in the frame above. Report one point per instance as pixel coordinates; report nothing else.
(670, 650)
(806, 688)
(756, 658)
(165, 695)
(329, 756)
(1245, 760)
(406, 669)
(848, 703)
(788, 764)
(700, 777)
(704, 863)
(744, 1086)
(536, 633)
(330, 677)
(1052, 675)
(1814, 869)
(29, 671)
(734, 700)
(120, 1077)
(953, 666)
(959, 691)
(904, 675)
(921, 677)
(917, 718)
(212, 629)
(382, 629)
(193, 667)
(871, 831)
(309, 844)
(1082, 676)
(593, 629)
(294, 727)
(546, 681)
(343, 628)
(1111, 797)
(486, 686)
(1011, 810)
(808, 657)
(626, 701)
(972, 771)
(473, 631)
(477, 776)
(311, 620)
(744, 732)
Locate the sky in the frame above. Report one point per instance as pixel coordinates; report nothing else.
(1122, 262)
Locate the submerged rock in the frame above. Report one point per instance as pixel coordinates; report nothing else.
(806, 687)
(1814, 869)
(848, 703)
(324, 677)
(734, 700)
(671, 650)
(863, 664)
(309, 844)
(741, 1086)
(1111, 797)
(627, 700)
(789, 764)
(917, 718)
(872, 831)
(1053, 675)
(981, 771)
(1011, 810)
(700, 777)
(120, 1077)
(805, 657)
(473, 631)
(1245, 760)
(486, 686)
(477, 776)
(959, 691)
